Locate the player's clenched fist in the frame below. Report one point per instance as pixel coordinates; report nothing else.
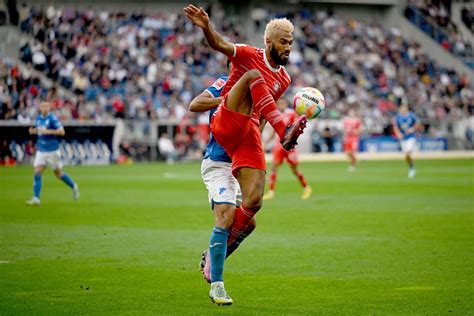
(197, 15)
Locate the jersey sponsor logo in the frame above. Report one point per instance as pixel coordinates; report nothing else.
(219, 84)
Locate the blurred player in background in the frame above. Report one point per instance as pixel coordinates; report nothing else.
(352, 130)
(280, 155)
(48, 128)
(256, 80)
(223, 188)
(404, 125)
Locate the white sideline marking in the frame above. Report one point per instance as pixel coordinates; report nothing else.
(468, 154)
(4, 261)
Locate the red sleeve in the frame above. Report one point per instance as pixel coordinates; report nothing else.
(243, 52)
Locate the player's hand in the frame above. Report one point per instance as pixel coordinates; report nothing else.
(32, 131)
(197, 15)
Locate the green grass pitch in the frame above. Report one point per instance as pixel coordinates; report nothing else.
(371, 242)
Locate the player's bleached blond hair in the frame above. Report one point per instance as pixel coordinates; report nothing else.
(277, 24)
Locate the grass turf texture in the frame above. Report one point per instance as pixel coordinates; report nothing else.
(369, 242)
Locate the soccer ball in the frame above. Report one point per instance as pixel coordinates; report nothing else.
(309, 101)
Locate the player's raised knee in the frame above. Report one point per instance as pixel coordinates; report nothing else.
(252, 74)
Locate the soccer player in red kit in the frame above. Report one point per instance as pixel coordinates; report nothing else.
(256, 81)
(352, 130)
(280, 155)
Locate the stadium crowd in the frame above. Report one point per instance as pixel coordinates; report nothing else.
(376, 70)
(150, 65)
(438, 13)
(135, 65)
(20, 92)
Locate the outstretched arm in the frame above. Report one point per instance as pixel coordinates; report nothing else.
(200, 18)
(56, 132)
(204, 102)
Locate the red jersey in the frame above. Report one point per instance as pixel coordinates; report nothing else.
(351, 125)
(246, 58)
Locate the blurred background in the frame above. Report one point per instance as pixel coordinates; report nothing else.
(120, 74)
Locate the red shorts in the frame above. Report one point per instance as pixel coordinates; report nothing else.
(351, 145)
(240, 138)
(280, 155)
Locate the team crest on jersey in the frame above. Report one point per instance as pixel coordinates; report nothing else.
(218, 84)
(276, 86)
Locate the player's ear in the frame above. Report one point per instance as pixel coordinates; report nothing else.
(268, 43)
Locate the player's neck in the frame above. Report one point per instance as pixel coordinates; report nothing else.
(273, 64)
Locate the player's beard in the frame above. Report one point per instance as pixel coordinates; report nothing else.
(276, 58)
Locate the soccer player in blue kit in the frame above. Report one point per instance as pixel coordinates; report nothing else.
(224, 196)
(405, 125)
(48, 128)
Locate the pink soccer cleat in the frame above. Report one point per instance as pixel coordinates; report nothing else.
(205, 266)
(293, 132)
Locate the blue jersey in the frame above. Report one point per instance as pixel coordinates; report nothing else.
(405, 123)
(47, 142)
(214, 151)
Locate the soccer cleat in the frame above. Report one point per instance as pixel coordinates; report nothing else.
(270, 195)
(75, 191)
(219, 295)
(411, 173)
(306, 193)
(34, 201)
(205, 265)
(293, 132)
(351, 168)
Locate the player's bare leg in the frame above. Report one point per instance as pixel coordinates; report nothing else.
(352, 160)
(307, 190)
(35, 200)
(411, 165)
(252, 184)
(273, 177)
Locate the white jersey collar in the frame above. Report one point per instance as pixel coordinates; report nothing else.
(268, 63)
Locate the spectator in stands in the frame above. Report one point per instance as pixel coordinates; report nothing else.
(328, 136)
(467, 16)
(167, 149)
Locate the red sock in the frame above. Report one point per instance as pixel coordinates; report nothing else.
(273, 178)
(264, 103)
(242, 218)
(302, 179)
